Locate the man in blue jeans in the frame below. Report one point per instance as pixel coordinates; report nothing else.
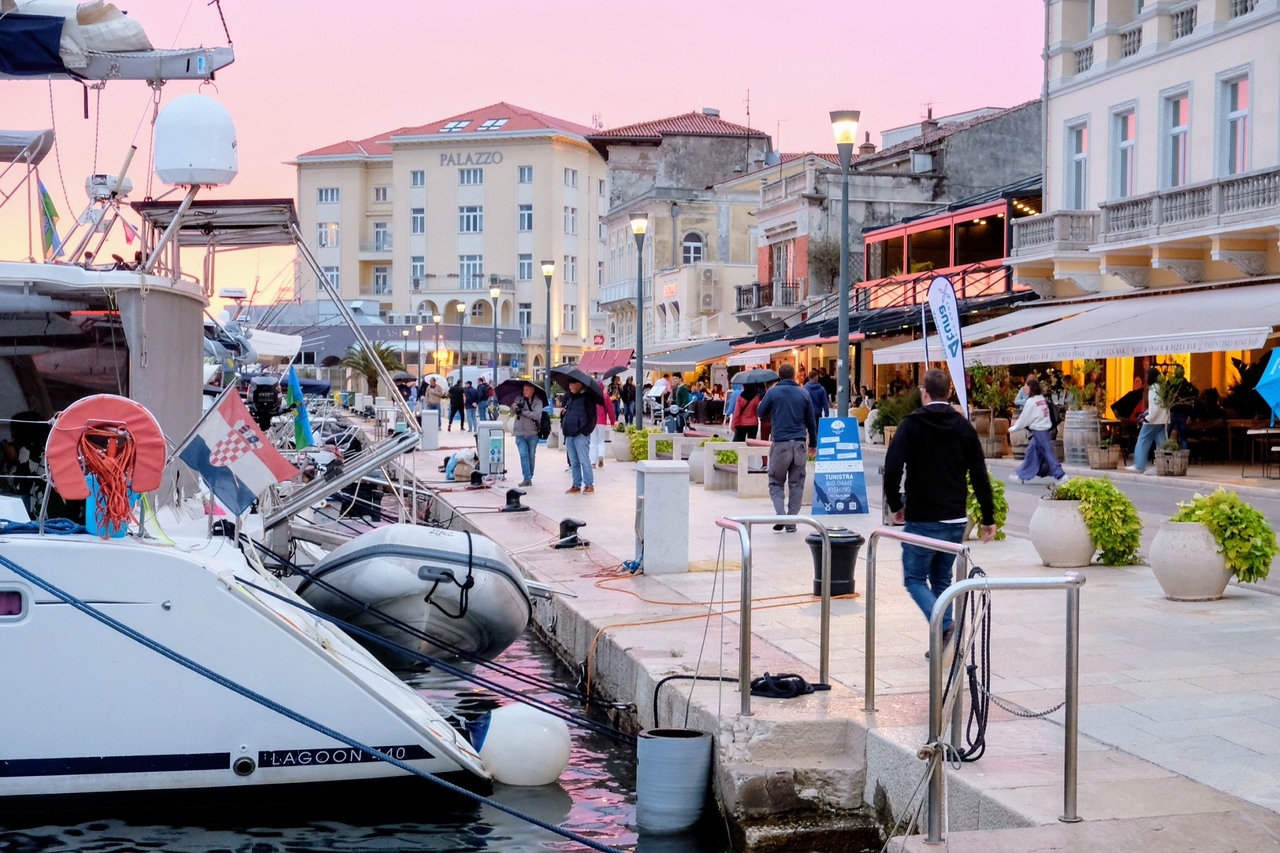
(794, 430)
(577, 422)
(938, 446)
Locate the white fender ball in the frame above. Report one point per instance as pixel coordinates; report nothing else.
(525, 746)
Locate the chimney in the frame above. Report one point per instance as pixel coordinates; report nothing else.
(867, 147)
(928, 126)
(711, 111)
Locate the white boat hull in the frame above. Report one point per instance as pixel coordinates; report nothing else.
(88, 710)
(384, 570)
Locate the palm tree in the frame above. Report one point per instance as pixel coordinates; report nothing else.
(358, 359)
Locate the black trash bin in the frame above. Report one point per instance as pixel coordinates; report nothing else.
(845, 545)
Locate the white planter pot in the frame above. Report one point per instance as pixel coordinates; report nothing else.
(1186, 561)
(620, 444)
(1059, 535)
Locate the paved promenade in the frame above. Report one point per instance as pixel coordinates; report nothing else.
(1180, 702)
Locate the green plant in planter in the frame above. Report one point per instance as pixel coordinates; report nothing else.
(893, 409)
(726, 457)
(640, 442)
(1243, 534)
(712, 440)
(1170, 445)
(662, 446)
(974, 510)
(1111, 517)
(991, 388)
(620, 427)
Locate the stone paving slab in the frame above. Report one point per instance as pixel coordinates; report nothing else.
(1182, 699)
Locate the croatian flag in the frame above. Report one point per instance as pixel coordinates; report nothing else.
(233, 456)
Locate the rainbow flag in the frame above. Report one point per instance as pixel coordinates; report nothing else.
(49, 225)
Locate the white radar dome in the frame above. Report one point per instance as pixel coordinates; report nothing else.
(195, 143)
(525, 746)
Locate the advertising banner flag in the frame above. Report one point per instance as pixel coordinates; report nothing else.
(839, 481)
(946, 318)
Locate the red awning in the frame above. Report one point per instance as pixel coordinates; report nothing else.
(600, 360)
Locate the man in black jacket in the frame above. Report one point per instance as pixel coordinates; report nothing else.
(457, 405)
(938, 446)
(789, 409)
(577, 423)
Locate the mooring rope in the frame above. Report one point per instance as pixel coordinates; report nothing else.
(236, 687)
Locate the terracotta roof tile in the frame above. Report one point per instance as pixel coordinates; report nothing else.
(687, 124)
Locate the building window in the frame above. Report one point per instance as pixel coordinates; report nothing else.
(417, 271)
(327, 235)
(1078, 167)
(382, 237)
(418, 221)
(571, 269)
(327, 195)
(525, 319)
(492, 123)
(600, 187)
(381, 281)
(1177, 145)
(334, 275)
(526, 174)
(454, 126)
(570, 177)
(470, 219)
(470, 272)
(525, 218)
(569, 318)
(524, 267)
(1126, 131)
(470, 177)
(692, 248)
(1236, 130)
(381, 194)
(477, 310)
(418, 178)
(571, 220)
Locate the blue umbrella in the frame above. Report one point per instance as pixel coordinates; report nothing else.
(1268, 386)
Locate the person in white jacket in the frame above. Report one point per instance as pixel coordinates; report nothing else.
(1040, 460)
(1154, 429)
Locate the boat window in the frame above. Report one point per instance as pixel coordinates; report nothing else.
(11, 605)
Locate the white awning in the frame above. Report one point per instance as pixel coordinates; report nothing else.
(1238, 318)
(758, 356)
(912, 352)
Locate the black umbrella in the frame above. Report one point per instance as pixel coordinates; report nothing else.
(614, 371)
(573, 374)
(757, 376)
(403, 377)
(510, 390)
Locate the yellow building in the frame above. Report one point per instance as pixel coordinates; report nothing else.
(427, 221)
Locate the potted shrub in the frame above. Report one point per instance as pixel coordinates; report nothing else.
(640, 442)
(891, 410)
(1207, 541)
(1171, 461)
(993, 396)
(553, 440)
(1083, 516)
(974, 510)
(1106, 455)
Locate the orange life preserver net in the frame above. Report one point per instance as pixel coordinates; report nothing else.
(117, 441)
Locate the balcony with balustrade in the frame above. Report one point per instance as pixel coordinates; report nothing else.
(1055, 233)
(376, 250)
(619, 292)
(1210, 208)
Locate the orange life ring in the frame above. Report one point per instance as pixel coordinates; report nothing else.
(62, 450)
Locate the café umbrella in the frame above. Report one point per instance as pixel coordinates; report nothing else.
(1268, 386)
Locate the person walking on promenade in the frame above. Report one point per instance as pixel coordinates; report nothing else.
(526, 415)
(1040, 460)
(795, 430)
(472, 397)
(821, 405)
(457, 406)
(744, 421)
(577, 423)
(432, 394)
(1154, 428)
(938, 446)
(605, 419)
(628, 394)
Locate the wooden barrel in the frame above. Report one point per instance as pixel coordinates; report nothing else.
(1079, 433)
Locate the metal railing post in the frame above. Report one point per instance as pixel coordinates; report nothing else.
(743, 525)
(1071, 582)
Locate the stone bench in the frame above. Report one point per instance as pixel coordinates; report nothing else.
(684, 446)
(743, 476)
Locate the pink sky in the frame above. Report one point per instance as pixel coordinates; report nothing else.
(310, 74)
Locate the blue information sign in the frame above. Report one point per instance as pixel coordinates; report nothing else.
(839, 483)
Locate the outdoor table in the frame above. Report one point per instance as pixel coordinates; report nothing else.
(1263, 438)
(1243, 425)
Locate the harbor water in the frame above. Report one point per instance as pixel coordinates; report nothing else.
(595, 798)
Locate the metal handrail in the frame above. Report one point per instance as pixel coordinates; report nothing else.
(743, 525)
(1071, 582)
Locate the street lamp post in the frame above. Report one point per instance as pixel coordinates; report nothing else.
(435, 351)
(640, 224)
(548, 270)
(404, 353)
(494, 293)
(462, 312)
(845, 125)
(419, 330)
